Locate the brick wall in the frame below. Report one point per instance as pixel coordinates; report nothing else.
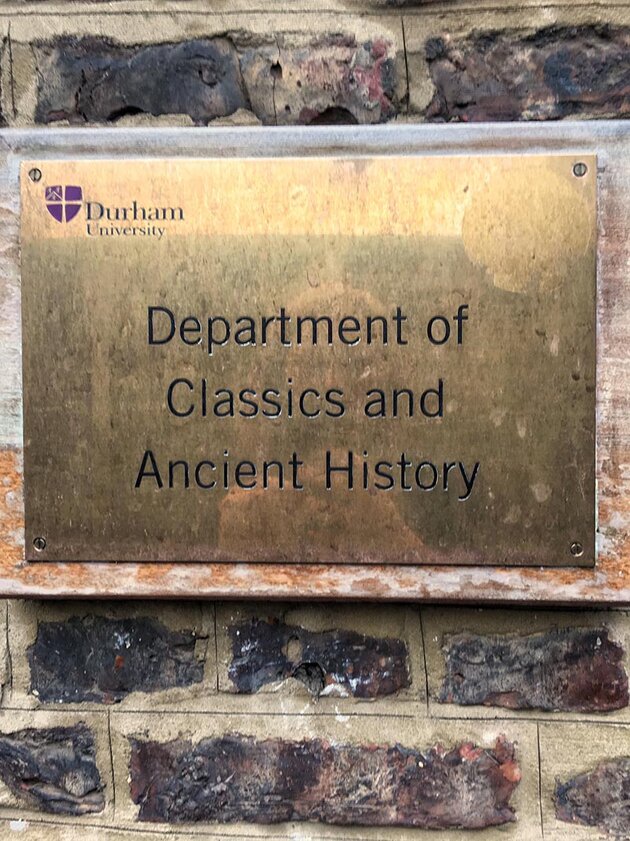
(376, 721)
(136, 720)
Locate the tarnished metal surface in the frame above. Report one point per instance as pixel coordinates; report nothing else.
(500, 449)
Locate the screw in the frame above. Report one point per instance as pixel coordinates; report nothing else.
(35, 174)
(577, 549)
(580, 169)
(40, 544)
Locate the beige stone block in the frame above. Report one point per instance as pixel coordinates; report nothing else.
(135, 26)
(5, 662)
(19, 83)
(30, 830)
(567, 750)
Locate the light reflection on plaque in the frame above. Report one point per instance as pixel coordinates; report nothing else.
(387, 359)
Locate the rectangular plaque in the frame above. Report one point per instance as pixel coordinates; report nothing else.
(333, 360)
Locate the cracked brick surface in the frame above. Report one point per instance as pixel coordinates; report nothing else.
(329, 79)
(341, 661)
(576, 670)
(553, 73)
(53, 769)
(598, 798)
(93, 658)
(237, 778)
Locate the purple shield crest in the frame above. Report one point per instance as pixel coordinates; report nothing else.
(63, 203)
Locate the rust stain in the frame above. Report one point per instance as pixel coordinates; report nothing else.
(609, 581)
(329, 534)
(11, 505)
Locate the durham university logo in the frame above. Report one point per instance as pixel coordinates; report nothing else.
(101, 220)
(64, 203)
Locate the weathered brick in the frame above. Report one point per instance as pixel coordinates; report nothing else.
(329, 79)
(94, 79)
(598, 798)
(332, 79)
(553, 73)
(95, 658)
(571, 669)
(53, 769)
(264, 651)
(237, 778)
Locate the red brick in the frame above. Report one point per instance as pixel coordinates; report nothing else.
(577, 670)
(237, 778)
(556, 72)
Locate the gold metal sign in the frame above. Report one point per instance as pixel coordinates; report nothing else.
(348, 360)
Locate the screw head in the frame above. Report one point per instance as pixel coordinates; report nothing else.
(35, 174)
(580, 169)
(39, 543)
(576, 549)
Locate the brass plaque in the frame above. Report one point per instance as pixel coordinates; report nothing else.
(348, 360)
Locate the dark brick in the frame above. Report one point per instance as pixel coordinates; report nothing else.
(598, 798)
(329, 80)
(267, 651)
(53, 770)
(577, 669)
(93, 79)
(92, 658)
(236, 778)
(556, 72)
